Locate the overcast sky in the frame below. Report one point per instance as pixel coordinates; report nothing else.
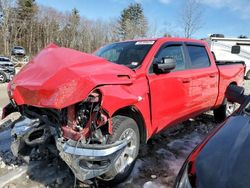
(229, 17)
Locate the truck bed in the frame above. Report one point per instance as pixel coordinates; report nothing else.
(228, 72)
(229, 62)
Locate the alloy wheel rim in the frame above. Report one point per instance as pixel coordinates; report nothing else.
(1, 78)
(230, 108)
(129, 153)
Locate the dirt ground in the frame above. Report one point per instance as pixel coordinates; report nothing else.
(3, 95)
(157, 166)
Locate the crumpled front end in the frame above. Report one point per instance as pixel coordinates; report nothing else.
(28, 133)
(79, 134)
(85, 160)
(59, 77)
(58, 95)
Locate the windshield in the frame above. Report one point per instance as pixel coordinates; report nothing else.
(130, 54)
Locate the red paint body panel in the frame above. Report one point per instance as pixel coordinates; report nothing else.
(227, 72)
(136, 95)
(59, 77)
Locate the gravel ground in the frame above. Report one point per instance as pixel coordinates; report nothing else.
(157, 166)
(247, 87)
(3, 95)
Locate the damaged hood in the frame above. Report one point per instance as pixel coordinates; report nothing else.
(58, 77)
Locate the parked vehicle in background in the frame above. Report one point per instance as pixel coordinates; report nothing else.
(98, 109)
(221, 47)
(7, 69)
(222, 159)
(18, 51)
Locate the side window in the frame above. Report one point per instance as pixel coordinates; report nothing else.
(198, 56)
(175, 52)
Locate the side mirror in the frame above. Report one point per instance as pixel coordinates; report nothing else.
(235, 94)
(235, 49)
(165, 65)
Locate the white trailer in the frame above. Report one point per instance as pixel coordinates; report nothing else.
(221, 47)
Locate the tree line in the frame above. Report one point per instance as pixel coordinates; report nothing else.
(32, 26)
(27, 24)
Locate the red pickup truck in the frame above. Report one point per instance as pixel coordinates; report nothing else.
(97, 109)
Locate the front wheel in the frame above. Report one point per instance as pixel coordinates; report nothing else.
(248, 75)
(226, 109)
(124, 128)
(3, 77)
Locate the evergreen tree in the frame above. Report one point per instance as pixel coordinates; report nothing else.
(25, 15)
(132, 22)
(26, 9)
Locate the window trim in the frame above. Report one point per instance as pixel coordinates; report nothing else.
(167, 44)
(189, 58)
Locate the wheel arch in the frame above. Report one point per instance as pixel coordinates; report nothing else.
(233, 83)
(135, 114)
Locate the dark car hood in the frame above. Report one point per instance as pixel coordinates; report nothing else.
(225, 159)
(58, 77)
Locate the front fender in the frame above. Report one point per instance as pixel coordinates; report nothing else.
(115, 97)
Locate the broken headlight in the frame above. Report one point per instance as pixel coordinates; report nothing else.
(85, 118)
(87, 108)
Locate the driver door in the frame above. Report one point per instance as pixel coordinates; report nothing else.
(170, 92)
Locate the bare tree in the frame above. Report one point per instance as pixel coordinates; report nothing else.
(169, 30)
(6, 21)
(25, 23)
(191, 17)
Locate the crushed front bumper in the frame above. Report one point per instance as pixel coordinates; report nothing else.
(28, 132)
(86, 160)
(90, 160)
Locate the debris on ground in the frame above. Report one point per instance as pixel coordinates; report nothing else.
(157, 166)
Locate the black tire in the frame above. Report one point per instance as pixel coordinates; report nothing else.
(3, 77)
(221, 113)
(121, 124)
(248, 75)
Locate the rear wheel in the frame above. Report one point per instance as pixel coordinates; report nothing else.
(248, 75)
(225, 110)
(3, 77)
(124, 128)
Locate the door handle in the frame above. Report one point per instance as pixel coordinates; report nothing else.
(212, 75)
(185, 81)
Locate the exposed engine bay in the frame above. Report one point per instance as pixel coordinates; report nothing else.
(78, 133)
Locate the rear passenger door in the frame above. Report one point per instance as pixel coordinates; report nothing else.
(204, 84)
